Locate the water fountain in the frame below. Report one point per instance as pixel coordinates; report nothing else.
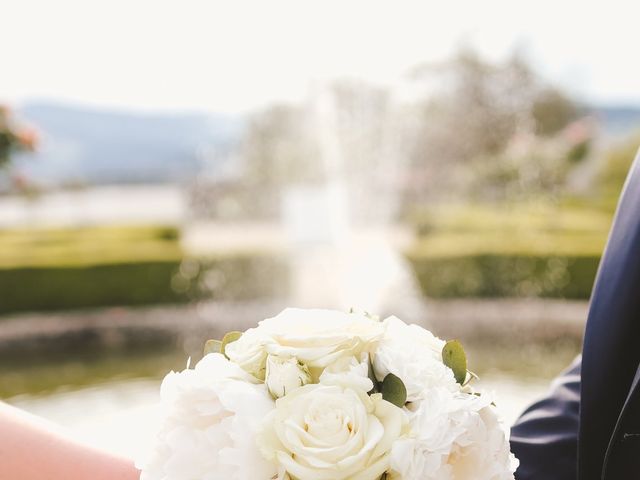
(343, 245)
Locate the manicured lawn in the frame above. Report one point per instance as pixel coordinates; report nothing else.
(88, 246)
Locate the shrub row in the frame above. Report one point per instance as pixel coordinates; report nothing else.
(237, 277)
(512, 275)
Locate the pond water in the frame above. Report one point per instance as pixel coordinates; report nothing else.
(120, 416)
(111, 401)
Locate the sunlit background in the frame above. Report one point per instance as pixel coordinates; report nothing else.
(173, 170)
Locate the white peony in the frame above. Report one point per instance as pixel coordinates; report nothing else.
(285, 375)
(327, 432)
(211, 415)
(317, 338)
(454, 436)
(414, 355)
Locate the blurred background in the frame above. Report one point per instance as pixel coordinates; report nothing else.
(172, 170)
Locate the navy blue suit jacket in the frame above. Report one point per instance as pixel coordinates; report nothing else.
(588, 428)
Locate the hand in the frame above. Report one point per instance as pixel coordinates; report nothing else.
(31, 449)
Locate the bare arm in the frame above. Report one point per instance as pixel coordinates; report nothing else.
(30, 449)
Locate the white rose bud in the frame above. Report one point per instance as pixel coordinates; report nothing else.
(285, 375)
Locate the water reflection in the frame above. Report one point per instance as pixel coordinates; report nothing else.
(120, 416)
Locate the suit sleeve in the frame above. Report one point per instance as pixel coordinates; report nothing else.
(545, 437)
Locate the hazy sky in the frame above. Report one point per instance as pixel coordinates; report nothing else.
(238, 54)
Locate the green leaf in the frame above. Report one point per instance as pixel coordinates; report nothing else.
(212, 346)
(227, 339)
(453, 356)
(394, 391)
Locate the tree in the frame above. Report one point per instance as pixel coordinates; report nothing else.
(347, 131)
(12, 137)
(277, 149)
(552, 111)
(475, 115)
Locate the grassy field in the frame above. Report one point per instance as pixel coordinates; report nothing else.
(516, 250)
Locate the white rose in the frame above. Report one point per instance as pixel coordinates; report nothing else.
(315, 337)
(285, 375)
(326, 432)
(249, 351)
(454, 436)
(349, 372)
(211, 416)
(414, 355)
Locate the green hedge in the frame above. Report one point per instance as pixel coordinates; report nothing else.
(59, 269)
(60, 287)
(509, 250)
(494, 275)
(237, 277)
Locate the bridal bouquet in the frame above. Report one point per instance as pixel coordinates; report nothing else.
(327, 395)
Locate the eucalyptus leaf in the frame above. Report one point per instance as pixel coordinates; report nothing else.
(453, 356)
(227, 339)
(478, 394)
(371, 316)
(470, 377)
(394, 391)
(212, 346)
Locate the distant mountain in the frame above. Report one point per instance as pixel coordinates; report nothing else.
(85, 145)
(618, 121)
(92, 146)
